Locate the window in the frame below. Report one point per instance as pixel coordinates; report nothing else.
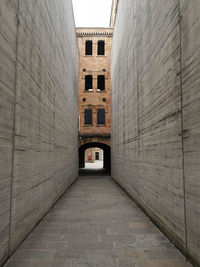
(88, 117)
(88, 48)
(101, 48)
(101, 82)
(101, 116)
(88, 82)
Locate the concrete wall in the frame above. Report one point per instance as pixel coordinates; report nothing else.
(155, 66)
(190, 44)
(38, 113)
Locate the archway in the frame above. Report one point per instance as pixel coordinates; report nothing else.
(107, 154)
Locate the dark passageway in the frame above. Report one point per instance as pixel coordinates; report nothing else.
(106, 159)
(98, 173)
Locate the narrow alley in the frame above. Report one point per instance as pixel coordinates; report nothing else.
(96, 224)
(122, 92)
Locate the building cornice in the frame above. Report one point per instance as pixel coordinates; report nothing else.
(82, 34)
(85, 136)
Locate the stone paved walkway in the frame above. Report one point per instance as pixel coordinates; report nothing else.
(96, 224)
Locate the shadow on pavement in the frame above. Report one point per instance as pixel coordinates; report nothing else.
(98, 173)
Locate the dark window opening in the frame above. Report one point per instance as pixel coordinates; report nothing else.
(88, 48)
(88, 117)
(101, 116)
(97, 155)
(101, 48)
(104, 99)
(101, 82)
(84, 99)
(88, 82)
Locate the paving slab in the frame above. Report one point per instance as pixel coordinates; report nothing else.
(96, 224)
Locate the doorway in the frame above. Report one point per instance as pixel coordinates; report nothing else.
(97, 155)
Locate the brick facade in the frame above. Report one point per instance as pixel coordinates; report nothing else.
(94, 99)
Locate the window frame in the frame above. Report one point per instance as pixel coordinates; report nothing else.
(88, 50)
(90, 119)
(100, 82)
(99, 48)
(99, 119)
(87, 82)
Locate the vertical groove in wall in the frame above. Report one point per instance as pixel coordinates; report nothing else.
(138, 119)
(182, 128)
(14, 123)
(54, 146)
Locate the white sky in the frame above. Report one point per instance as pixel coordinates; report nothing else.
(92, 13)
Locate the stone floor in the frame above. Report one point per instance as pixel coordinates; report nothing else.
(96, 224)
(98, 164)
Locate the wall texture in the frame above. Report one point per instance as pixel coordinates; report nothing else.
(38, 113)
(155, 66)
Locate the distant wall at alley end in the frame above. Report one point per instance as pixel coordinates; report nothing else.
(39, 113)
(155, 139)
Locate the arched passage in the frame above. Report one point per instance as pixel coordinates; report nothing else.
(104, 147)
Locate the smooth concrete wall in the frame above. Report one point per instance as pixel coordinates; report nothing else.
(155, 85)
(38, 107)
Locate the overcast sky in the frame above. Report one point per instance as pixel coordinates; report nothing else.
(92, 13)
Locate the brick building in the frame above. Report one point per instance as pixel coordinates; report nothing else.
(94, 89)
